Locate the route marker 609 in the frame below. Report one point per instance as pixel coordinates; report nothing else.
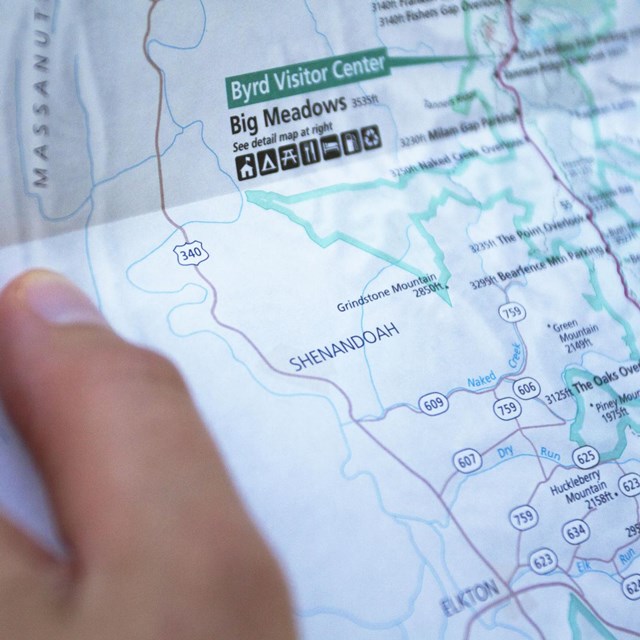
(434, 403)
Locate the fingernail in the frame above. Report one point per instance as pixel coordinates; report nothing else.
(56, 300)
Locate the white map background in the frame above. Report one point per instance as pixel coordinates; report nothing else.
(352, 483)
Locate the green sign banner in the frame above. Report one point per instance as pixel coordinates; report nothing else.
(314, 75)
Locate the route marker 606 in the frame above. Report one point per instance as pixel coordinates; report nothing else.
(526, 388)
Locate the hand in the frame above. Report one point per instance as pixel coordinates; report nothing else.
(160, 547)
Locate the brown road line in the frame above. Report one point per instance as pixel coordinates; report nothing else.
(410, 470)
(151, 61)
(590, 212)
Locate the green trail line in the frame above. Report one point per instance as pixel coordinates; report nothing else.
(282, 204)
(573, 374)
(410, 61)
(578, 608)
(276, 202)
(603, 165)
(598, 302)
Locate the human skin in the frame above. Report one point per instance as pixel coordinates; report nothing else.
(159, 544)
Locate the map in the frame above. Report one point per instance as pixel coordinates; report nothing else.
(394, 247)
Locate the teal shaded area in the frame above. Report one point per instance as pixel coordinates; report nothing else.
(578, 608)
(597, 300)
(599, 303)
(571, 376)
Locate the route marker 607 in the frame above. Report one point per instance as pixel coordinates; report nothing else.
(467, 460)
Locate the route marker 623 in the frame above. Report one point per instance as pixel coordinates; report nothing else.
(543, 561)
(629, 484)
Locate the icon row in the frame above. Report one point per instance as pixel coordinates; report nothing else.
(307, 152)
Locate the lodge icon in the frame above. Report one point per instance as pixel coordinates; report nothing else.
(330, 147)
(246, 166)
(307, 152)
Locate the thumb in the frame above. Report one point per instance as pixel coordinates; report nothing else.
(141, 495)
(111, 426)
